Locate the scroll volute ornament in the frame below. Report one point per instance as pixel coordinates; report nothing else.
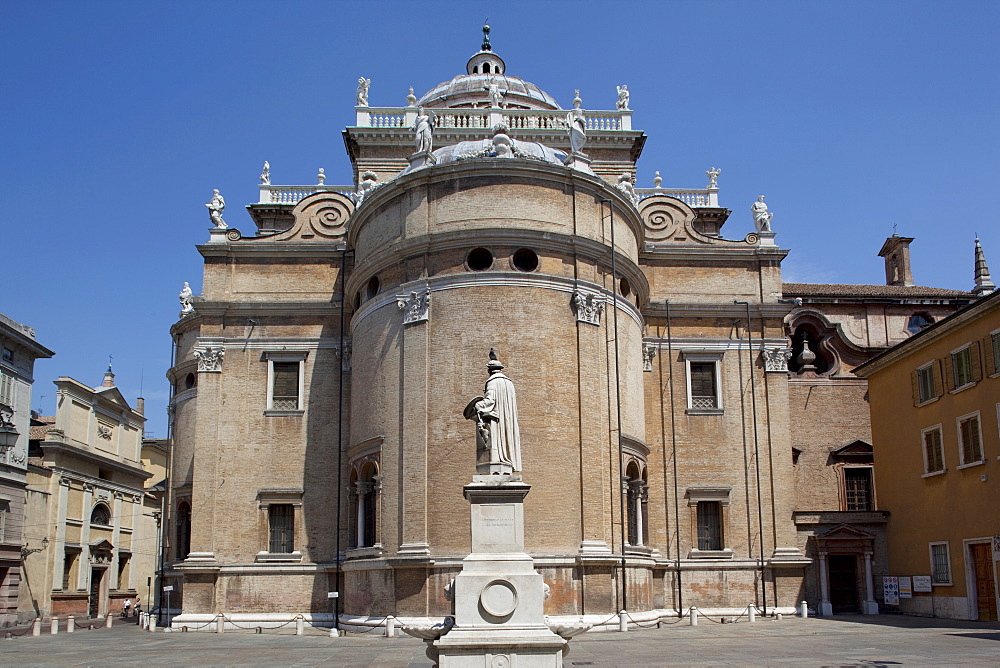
(319, 217)
(666, 218)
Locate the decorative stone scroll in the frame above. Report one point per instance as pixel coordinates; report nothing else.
(648, 353)
(321, 216)
(776, 359)
(588, 306)
(415, 307)
(209, 359)
(666, 218)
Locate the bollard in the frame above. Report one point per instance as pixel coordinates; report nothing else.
(152, 623)
(259, 630)
(54, 626)
(70, 623)
(803, 610)
(390, 627)
(220, 624)
(36, 627)
(300, 625)
(694, 616)
(777, 616)
(333, 632)
(107, 621)
(752, 613)
(622, 621)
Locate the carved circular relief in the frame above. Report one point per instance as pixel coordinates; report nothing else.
(234, 235)
(500, 661)
(499, 598)
(752, 238)
(663, 216)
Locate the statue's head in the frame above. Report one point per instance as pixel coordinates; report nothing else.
(760, 198)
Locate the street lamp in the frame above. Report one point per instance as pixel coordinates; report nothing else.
(25, 551)
(8, 433)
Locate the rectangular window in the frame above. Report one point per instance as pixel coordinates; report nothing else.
(4, 513)
(995, 345)
(709, 525)
(122, 571)
(961, 365)
(68, 569)
(858, 488)
(284, 380)
(8, 355)
(970, 439)
(6, 389)
(940, 564)
(925, 383)
(933, 450)
(281, 524)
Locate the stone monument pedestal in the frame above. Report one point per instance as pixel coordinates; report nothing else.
(499, 598)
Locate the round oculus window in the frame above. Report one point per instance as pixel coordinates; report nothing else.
(525, 259)
(479, 259)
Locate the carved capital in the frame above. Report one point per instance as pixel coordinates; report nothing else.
(588, 307)
(776, 359)
(209, 358)
(415, 306)
(648, 353)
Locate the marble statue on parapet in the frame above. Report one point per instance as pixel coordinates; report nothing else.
(369, 180)
(496, 95)
(626, 185)
(187, 300)
(424, 129)
(498, 439)
(576, 126)
(362, 97)
(623, 98)
(713, 177)
(265, 174)
(761, 216)
(215, 209)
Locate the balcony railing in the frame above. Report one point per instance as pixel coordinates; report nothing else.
(693, 197)
(270, 194)
(516, 119)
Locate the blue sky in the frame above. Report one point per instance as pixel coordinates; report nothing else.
(121, 117)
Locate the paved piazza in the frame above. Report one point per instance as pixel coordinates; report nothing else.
(843, 641)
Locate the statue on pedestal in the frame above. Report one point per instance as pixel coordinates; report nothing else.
(215, 209)
(761, 216)
(362, 97)
(186, 297)
(424, 128)
(623, 98)
(498, 440)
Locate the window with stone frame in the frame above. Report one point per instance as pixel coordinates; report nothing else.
(970, 440)
(6, 388)
(281, 528)
(101, 515)
(709, 525)
(858, 488)
(636, 493)
(933, 450)
(4, 514)
(703, 380)
(285, 381)
(940, 563)
(68, 568)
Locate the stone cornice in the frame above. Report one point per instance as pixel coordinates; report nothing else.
(96, 457)
(726, 249)
(716, 310)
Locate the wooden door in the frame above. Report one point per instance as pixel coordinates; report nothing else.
(986, 597)
(94, 609)
(843, 583)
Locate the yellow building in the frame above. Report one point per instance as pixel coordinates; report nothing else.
(935, 406)
(85, 505)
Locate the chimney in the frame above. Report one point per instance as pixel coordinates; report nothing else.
(984, 284)
(896, 251)
(109, 378)
(140, 406)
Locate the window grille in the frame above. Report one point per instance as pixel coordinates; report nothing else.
(703, 388)
(940, 566)
(858, 488)
(280, 518)
(709, 525)
(285, 390)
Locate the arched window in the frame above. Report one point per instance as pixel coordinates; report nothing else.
(183, 530)
(918, 321)
(100, 515)
(636, 495)
(365, 490)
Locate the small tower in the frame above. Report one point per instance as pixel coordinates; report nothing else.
(896, 251)
(984, 284)
(485, 61)
(109, 378)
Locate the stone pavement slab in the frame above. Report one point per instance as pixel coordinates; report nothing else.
(884, 640)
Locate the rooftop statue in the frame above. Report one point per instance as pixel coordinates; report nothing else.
(498, 439)
(626, 185)
(186, 297)
(576, 125)
(496, 96)
(713, 177)
(761, 216)
(623, 97)
(215, 209)
(363, 85)
(265, 175)
(424, 128)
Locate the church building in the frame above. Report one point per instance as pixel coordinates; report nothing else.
(661, 369)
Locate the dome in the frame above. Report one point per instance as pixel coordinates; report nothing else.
(468, 90)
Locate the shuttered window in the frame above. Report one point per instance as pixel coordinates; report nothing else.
(6, 389)
(933, 451)
(925, 382)
(961, 363)
(703, 386)
(969, 438)
(285, 386)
